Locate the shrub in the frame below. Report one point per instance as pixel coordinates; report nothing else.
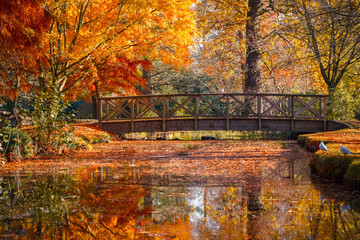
(51, 122)
(352, 175)
(15, 144)
(331, 166)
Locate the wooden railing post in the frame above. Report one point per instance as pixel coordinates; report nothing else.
(324, 113)
(292, 113)
(99, 113)
(227, 113)
(259, 110)
(132, 114)
(164, 112)
(196, 114)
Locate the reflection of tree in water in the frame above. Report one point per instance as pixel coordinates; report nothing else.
(224, 214)
(296, 209)
(35, 208)
(59, 207)
(216, 196)
(312, 217)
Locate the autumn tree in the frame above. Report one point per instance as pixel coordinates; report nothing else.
(330, 31)
(92, 42)
(220, 48)
(232, 40)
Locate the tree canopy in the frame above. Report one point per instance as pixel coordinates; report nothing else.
(90, 42)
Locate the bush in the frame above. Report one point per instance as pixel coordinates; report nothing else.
(51, 122)
(352, 175)
(331, 166)
(15, 144)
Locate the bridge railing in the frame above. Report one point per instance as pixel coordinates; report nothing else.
(205, 106)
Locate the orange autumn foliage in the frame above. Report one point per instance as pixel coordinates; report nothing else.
(104, 42)
(22, 27)
(78, 47)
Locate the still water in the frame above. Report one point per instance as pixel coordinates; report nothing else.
(176, 190)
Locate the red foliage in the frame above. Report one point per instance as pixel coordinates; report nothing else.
(22, 25)
(112, 75)
(22, 22)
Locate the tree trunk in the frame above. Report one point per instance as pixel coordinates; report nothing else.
(147, 75)
(94, 101)
(253, 58)
(94, 107)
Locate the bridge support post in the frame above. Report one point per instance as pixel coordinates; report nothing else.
(196, 114)
(292, 113)
(227, 113)
(259, 110)
(165, 112)
(132, 115)
(324, 113)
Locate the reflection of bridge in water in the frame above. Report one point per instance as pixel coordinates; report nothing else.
(225, 111)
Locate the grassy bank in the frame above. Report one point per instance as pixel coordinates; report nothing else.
(208, 135)
(334, 164)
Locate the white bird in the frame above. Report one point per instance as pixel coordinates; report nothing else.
(344, 150)
(345, 207)
(221, 91)
(323, 147)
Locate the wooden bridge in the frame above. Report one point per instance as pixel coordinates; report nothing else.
(222, 111)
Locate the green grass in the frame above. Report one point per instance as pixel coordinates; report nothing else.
(220, 135)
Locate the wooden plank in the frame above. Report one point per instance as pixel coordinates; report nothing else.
(220, 124)
(214, 94)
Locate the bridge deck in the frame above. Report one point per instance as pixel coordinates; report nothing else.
(226, 111)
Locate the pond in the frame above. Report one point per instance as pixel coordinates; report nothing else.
(176, 190)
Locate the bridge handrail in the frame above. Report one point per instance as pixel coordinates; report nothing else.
(211, 94)
(198, 106)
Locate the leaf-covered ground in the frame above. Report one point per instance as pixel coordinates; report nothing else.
(208, 158)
